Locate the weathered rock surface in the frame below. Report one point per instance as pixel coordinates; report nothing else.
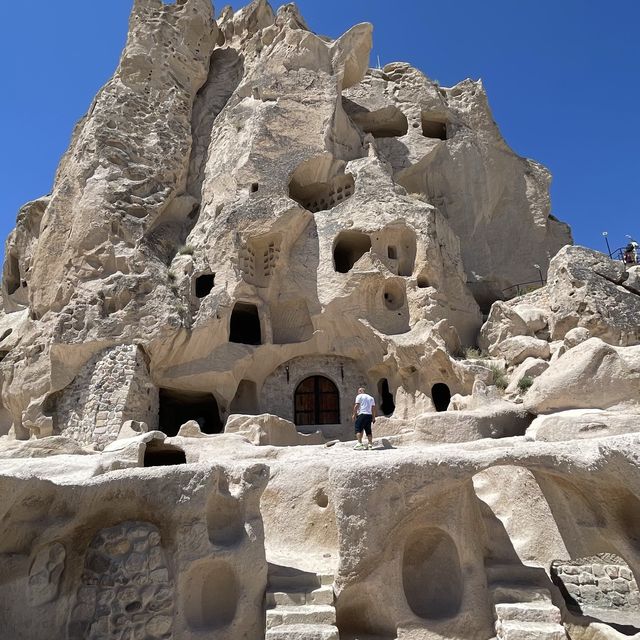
(270, 430)
(530, 368)
(592, 375)
(432, 137)
(585, 290)
(517, 349)
(249, 225)
(578, 424)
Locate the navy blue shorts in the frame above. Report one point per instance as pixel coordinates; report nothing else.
(363, 423)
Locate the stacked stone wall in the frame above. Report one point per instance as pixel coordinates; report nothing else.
(600, 582)
(277, 396)
(113, 387)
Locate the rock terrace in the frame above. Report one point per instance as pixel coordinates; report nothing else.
(248, 225)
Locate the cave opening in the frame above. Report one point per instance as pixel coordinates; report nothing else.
(434, 127)
(394, 296)
(204, 284)
(163, 455)
(178, 407)
(387, 405)
(348, 248)
(245, 324)
(12, 274)
(441, 396)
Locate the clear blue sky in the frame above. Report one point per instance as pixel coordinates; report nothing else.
(563, 78)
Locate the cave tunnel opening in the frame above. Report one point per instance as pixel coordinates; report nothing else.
(12, 274)
(178, 407)
(204, 284)
(245, 324)
(441, 396)
(163, 455)
(434, 127)
(349, 247)
(387, 405)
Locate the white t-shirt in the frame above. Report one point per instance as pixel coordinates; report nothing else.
(366, 403)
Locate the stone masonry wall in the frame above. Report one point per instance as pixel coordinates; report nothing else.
(601, 582)
(277, 394)
(125, 569)
(113, 387)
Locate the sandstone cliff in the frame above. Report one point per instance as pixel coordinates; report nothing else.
(248, 225)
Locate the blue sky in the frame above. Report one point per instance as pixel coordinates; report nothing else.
(563, 78)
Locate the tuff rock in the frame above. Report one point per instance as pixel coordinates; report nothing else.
(248, 225)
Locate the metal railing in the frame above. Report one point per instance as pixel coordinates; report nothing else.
(619, 254)
(523, 287)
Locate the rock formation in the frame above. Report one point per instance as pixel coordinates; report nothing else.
(250, 224)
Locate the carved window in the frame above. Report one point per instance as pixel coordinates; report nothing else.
(259, 259)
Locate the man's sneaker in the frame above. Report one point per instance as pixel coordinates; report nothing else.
(360, 446)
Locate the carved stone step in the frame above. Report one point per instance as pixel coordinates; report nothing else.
(509, 593)
(528, 612)
(321, 595)
(530, 631)
(303, 632)
(308, 614)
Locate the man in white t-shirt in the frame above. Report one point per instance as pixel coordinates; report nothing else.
(364, 414)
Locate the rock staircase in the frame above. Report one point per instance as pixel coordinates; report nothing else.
(300, 605)
(523, 610)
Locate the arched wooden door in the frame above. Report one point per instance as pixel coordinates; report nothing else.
(317, 401)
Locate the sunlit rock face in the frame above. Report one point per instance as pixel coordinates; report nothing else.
(249, 225)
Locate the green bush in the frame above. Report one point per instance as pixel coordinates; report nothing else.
(186, 250)
(499, 377)
(473, 353)
(524, 383)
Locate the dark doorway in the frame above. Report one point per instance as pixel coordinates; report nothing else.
(317, 401)
(387, 405)
(204, 284)
(348, 248)
(434, 127)
(245, 324)
(178, 407)
(163, 455)
(12, 274)
(441, 396)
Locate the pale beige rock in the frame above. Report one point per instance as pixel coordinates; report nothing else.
(534, 318)
(429, 135)
(588, 290)
(591, 375)
(191, 429)
(249, 224)
(633, 280)
(576, 336)
(517, 349)
(499, 420)
(267, 429)
(579, 424)
(503, 322)
(482, 396)
(530, 368)
(131, 429)
(52, 446)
